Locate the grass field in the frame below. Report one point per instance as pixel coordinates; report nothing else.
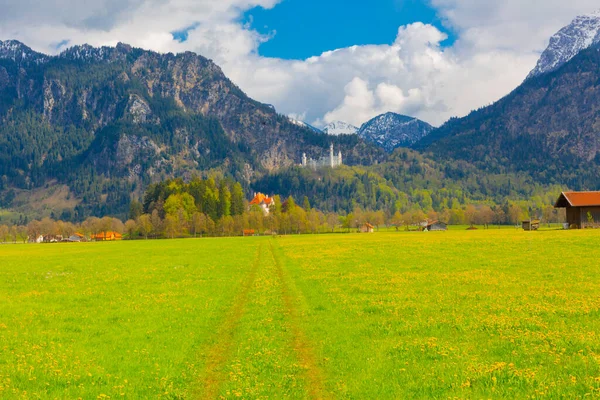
(482, 314)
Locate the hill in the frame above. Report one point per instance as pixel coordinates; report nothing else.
(106, 122)
(548, 128)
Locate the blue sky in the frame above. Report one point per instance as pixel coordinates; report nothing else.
(305, 28)
(413, 70)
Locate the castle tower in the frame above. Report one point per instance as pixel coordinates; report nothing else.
(304, 160)
(340, 158)
(331, 160)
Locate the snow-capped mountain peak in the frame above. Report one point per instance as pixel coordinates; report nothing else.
(337, 128)
(391, 130)
(304, 125)
(18, 52)
(579, 35)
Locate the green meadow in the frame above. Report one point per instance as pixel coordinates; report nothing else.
(498, 313)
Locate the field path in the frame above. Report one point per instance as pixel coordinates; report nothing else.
(260, 349)
(218, 355)
(302, 346)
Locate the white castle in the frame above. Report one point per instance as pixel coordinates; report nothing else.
(331, 161)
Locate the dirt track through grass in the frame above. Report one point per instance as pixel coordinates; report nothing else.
(303, 348)
(260, 348)
(219, 353)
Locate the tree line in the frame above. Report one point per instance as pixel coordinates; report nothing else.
(209, 207)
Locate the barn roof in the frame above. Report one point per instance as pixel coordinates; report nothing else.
(578, 199)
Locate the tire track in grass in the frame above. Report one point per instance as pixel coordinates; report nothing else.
(313, 374)
(218, 355)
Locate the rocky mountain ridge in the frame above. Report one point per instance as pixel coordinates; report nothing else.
(337, 128)
(579, 35)
(391, 130)
(99, 115)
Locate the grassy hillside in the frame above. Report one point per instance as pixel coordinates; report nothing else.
(485, 314)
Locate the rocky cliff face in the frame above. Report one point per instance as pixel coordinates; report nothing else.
(337, 128)
(128, 113)
(579, 35)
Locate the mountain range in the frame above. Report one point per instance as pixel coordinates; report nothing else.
(388, 131)
(108, 121)
(97, 125)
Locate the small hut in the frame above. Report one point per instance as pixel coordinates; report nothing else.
(531, 225)
(249, 232)
(367, 228)
(436, 226)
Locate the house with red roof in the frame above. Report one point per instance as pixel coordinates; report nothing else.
(263, 201)
(583, 209)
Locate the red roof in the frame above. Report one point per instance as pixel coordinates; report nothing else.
(578, 199)
(260, 199)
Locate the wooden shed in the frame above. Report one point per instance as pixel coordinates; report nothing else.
(433, 226)
(367, 228)
(583, 209)
(531, 225)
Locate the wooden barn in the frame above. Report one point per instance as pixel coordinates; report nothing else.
(435, 226)
(583, 209)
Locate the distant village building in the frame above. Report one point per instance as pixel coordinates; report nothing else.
(263, 201)
(583, 209)
(331, 161)
(108, 236)
(367, 228)
(436, 226)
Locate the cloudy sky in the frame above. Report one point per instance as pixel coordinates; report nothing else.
(324, 60)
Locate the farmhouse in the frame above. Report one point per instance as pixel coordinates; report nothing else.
(583, 209)
(107, 236)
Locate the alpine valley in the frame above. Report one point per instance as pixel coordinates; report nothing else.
(85, 132)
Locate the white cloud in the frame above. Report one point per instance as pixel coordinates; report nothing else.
(498, 44)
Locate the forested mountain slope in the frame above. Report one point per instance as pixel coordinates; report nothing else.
(549, 128)
(108, 121)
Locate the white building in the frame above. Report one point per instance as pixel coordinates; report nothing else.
(331, 161)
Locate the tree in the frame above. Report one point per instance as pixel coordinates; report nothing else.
(131, 227)
(471, 215)
(197, 222)
(332, 221)
(486, 215)
(306, 204)
(23, 233)
(237, 200)
(224, 208)
(397, 220)
(144, 225)
(157, 223)
(171, 225)
(515, 214)
(135, 210)
(549, 214)
(4, 233)
(34, 229)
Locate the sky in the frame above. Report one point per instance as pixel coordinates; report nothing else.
(323, 60)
